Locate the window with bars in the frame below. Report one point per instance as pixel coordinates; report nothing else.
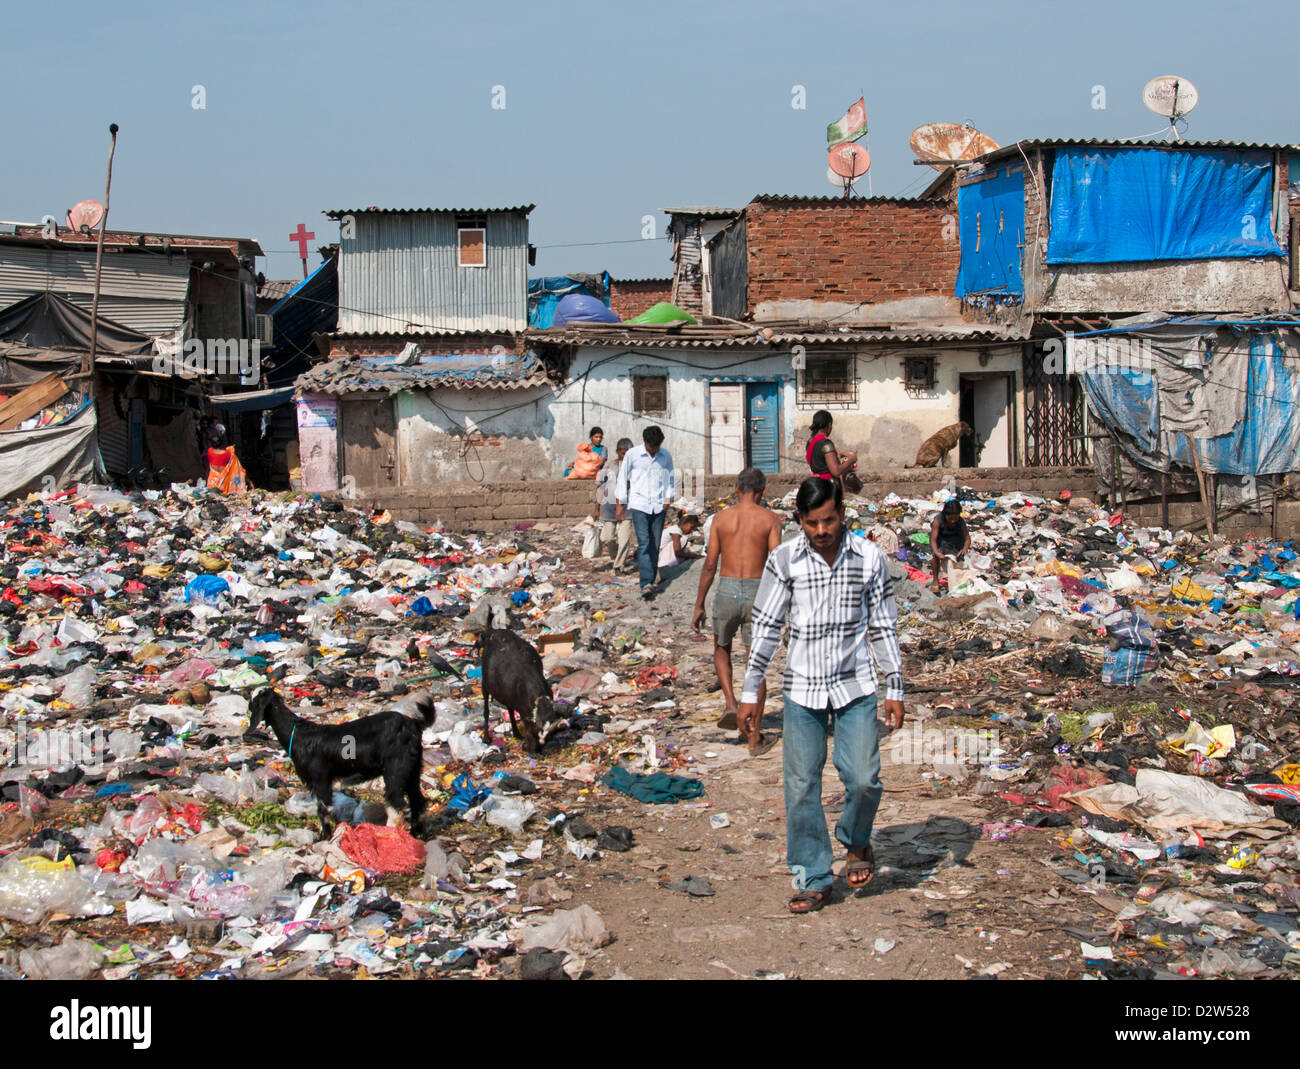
(650, 394)
(828, 379)
(918, 373)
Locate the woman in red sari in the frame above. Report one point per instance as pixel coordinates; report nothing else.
(823, 459)
(225, 473)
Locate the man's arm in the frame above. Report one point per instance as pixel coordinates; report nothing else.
(882, 632)
(774, 534)
(707, 574)
(771, 605)
(671, 476)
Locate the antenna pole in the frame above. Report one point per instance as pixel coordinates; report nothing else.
(1173, 116)
(88, 369)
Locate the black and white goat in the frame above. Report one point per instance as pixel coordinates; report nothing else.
(385, 744)
(513, 675)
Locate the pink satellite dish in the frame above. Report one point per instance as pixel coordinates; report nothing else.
(939, 143)
(85, 216)
(849, 160)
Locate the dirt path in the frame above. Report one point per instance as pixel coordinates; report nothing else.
(943, 897)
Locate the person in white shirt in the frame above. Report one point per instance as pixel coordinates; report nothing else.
(672, 547)
(835, 592)
(613, 531)
(645, 486)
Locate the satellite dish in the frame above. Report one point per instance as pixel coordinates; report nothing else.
(849, 160)
(838, 179)
(939, 143)
(85, 216)
(1170, 96)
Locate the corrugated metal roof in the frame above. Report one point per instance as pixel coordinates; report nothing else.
(627, 281)
(706, 212)
(153, 239)
(145, 292)
(399, 273)
(457, 371)
(1093, 142)
(274, 289)
(613, 337)
(335, 213)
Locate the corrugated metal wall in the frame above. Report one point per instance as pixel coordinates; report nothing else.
(144, 291)
(399, 274)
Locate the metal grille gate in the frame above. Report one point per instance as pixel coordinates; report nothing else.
(1055, 416)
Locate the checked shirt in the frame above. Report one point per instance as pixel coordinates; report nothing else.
(834, 611)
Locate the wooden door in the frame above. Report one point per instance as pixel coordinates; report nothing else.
(369, 433)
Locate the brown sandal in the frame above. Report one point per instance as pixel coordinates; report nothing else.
(809, 901)
(856, 866)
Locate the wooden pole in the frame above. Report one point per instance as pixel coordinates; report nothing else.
(1200, 484)
(88, 368)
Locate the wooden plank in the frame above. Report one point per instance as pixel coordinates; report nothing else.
(37, 396)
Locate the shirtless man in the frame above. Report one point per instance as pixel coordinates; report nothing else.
(740, 539)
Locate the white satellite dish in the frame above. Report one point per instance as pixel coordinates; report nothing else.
(842, 181)
(1170, 96)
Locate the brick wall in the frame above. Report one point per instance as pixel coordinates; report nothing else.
(872, 251)
(632, 297)
(494, 506)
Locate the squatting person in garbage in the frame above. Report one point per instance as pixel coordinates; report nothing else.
(949, 537)
(834, 590)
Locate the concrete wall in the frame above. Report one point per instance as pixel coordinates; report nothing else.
(1180, 286)
(889, 423)
(494, 506)
(513, 439)
(534, 434)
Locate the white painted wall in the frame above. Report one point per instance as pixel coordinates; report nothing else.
(885, 427)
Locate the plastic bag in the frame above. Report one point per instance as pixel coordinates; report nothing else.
(507, 812)
(31, 887)
(591, 542)
(465, 743)
(79, 686)
(73, 959)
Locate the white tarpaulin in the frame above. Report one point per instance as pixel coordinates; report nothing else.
(67, 453)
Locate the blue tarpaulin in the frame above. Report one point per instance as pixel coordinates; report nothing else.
(544, 295)
(991, 225)
(1265, 441)
(1132, 204)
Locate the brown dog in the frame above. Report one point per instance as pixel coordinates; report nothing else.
(935, 449)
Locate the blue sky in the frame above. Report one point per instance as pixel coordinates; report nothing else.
(611, 111)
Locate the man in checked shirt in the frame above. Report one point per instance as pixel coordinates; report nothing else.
(834, 590)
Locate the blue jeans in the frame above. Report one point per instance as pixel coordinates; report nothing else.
(857, 760)
(649, 529)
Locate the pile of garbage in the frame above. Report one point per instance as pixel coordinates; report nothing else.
(1126, 694)
(141, 813)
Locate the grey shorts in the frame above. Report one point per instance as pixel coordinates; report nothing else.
(732, 605)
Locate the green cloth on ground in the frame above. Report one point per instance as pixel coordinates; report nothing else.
(657, 788)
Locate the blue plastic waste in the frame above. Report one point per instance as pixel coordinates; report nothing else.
(464, 795)
(422, 607)
(205, 589)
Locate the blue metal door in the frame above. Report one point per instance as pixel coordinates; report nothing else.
(762, 404)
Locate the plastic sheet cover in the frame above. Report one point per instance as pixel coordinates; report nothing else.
(1264, 441)
(67, 451)
(991, 223)
(1129, 204)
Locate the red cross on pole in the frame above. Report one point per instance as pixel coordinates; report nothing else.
(302, 235)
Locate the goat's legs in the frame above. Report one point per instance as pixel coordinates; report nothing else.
(324, 793)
